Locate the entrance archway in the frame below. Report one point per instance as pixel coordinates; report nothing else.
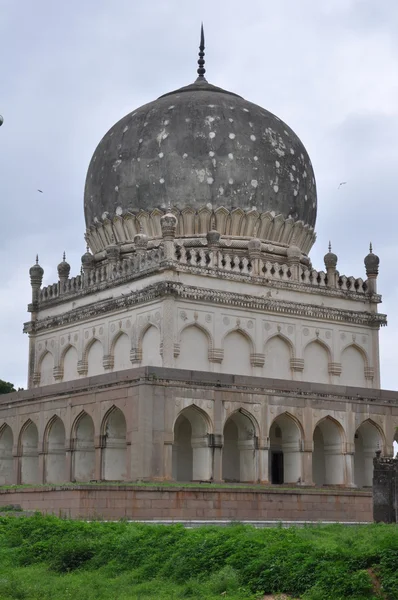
(367, 441)
(191, 451)
(327, 457)
(115, 446)
(239, 454)
(55, 459)
(83, 459)
(29, 451)
(285, 464)
(6, 458)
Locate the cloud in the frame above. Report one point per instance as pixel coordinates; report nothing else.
(71, 70)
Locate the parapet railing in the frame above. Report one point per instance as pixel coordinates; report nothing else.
(215, 261)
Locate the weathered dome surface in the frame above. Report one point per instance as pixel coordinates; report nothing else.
(200, 146)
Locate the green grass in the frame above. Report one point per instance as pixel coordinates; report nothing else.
(43, 558)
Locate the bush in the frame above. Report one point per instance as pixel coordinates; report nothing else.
(71, 556)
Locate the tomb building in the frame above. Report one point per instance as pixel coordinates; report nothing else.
(199, 343)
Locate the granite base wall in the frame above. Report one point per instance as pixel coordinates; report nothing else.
(151, 503)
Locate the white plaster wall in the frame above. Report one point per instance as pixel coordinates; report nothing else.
(352, 367)
(194, 348)
(236, 354)
(95, 357)
(316, 363)
(70, 365)
(277, 359)
(122, 353)
(151, 348)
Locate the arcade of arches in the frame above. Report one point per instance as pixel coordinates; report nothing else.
(285, 454)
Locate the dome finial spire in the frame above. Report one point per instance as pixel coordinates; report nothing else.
(201, 61)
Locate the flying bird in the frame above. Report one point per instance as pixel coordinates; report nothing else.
(342, 183)
(41, 191)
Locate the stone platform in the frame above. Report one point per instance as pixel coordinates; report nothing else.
(138, 502)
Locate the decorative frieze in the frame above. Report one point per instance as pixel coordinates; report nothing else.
(82, 367)
(135, 355)
(369, 373)
(257, 360)
(334, 368)
(216, 355)
(58, 373)
(108, 362)
(297, 364)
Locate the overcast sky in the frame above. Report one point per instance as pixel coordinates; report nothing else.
(70, 70)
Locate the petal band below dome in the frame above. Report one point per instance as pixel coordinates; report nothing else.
(195, 224)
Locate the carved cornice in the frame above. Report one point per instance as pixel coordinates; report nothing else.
(162, 289)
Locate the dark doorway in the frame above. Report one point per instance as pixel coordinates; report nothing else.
(276, 467)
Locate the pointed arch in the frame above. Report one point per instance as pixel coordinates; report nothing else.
(321, 343)
(94, 363)
(46, 368)
(114, 445)
(278, 352)
(69, 371)
(83, 449)
(317, 358)
(28, 450)
(368, 439)
(237, 356)
(149, 345)
(286, 435)
(120, 351)
(6, 455)
(240, 454)
(246, 335)
(354, 362)
(195, 343)
(54, 451)
(328, 466)
(191, 456)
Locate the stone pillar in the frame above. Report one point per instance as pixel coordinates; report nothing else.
(63, 274)
(349, 468)
(292, 462)
(372, 270)
(293, 260)
(167, 349)
(98, 457)
(168, 459)
(213, 243)
(248, 456)
(330, 260)
(168, 224)
(88, 265)
(202, 463)
(36, 279)
(263, 460)
(306, 457)
(254, 248)
(216, 443)
(113, 256)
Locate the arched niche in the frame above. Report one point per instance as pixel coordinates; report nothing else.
(6, 457)
(121, 353)
(239, 454)
(277, 358)
(285, 458)
(191, 451)
(70, 359)
(194, 349)
(55, 456)
(327, 459)
(114, 450)
(368, 440)
(353, 367)
(95, 356)
(150, 346)
(29, 453)
(47, 369)
(237, 350)
(83, 455)
(316, 363)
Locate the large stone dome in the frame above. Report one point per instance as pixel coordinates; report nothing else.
(199, 148)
